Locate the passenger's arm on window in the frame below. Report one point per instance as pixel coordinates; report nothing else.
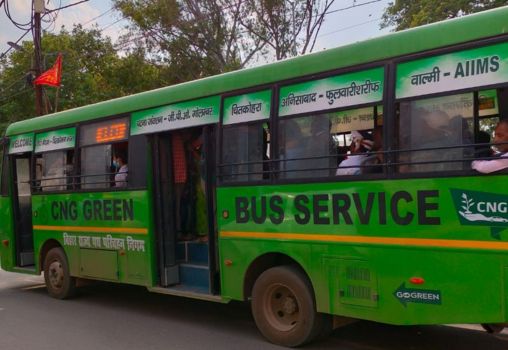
(490, 166)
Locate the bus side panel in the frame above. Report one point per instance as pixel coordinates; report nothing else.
(7, 246)
(105, 235)
(416, 251)
(459, 287)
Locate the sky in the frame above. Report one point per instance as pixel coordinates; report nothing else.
(345, 25)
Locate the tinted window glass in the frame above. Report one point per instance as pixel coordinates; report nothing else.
(433, 131)
(245, 150)
(54, 171)
(328, 144)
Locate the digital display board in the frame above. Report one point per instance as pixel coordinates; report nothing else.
(112, 132)
(104, 132)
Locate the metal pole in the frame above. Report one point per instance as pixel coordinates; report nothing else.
(37, 54)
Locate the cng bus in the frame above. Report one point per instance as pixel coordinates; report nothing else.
(328, 187)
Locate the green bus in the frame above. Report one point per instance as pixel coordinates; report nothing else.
(329, 187)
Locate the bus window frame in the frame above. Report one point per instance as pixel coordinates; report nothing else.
(78, 175)
(385, 64)
(4, 171)
(37, 190)
(330, 178)
(220, 137)
(392, 118)
(476, 118)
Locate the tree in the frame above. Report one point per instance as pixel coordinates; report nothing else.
(92, 72)
(405, 14)
(195, 38)
(205, 37)
(288, 28)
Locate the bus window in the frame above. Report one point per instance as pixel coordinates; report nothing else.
(54, 171)
(322, 145)
(305, 144)
(245, 151)
(432, 132)
(103, 154)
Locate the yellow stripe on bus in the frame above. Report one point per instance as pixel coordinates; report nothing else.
(421, 242)
(142, 231)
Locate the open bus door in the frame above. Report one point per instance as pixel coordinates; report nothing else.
(163, 193)
(186, 251)
(22, 205)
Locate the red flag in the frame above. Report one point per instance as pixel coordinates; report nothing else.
(52, 76)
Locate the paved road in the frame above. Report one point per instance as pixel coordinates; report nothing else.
(105, 316)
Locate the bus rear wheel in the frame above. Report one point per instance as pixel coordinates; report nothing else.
(59, 282)
(494, 328)
(284, 309)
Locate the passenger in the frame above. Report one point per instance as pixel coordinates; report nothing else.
(431, 133)
(376, 161)
(293, 148)
(180, 176)
(483, 151)
(321, 147)
(360, 147)
(122, 170)
(501, 138)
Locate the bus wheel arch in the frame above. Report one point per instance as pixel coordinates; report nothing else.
(263, 263)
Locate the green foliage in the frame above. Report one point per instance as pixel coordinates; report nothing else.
(92, 72)
(195, 38)
(404, 14)
(205, 37)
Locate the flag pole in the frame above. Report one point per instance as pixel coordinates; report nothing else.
(56, 98)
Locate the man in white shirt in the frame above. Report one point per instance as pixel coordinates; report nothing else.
(501, 161)
(123, 170)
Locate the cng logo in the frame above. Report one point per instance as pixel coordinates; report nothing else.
(476, 208)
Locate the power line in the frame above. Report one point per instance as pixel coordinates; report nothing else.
(352, 6)
(99, 16)
(66, 6)
(14, 95)
(19, 25)
(23, 77)
(16, 42)
(111, 24)
(349, 27)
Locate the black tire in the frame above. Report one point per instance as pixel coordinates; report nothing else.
(59, 282)
(494, 328)
(284, 309)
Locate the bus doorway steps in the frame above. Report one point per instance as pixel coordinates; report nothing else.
(26, 259)
(192, 252)
(192, 257)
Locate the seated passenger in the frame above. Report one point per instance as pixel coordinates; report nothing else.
(122, 170)
(483, 151)
(501, 161)
(360, 156)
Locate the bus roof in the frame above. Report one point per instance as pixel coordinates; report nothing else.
(441, 34)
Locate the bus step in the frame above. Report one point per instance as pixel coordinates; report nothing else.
(194, 275)
(192, 252)
(189, 292)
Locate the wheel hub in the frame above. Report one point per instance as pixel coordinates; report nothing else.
(282, 308)
(56, 274)
(289, 305)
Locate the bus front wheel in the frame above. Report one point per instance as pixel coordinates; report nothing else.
(283, 307)
(59, 282)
